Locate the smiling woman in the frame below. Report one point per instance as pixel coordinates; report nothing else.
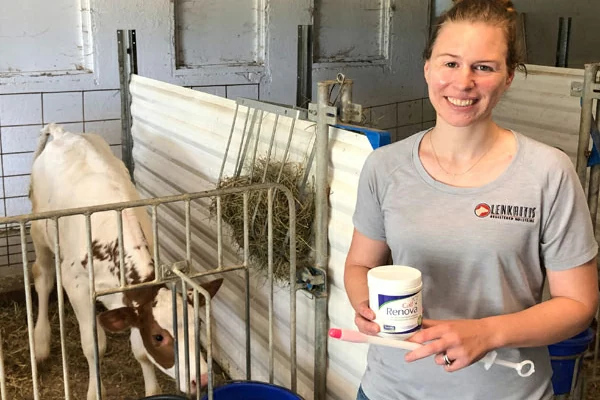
(479, 209)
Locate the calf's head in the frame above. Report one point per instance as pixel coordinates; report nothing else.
(151, 312)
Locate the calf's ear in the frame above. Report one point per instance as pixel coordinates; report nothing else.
(211, 287)
(119, 319)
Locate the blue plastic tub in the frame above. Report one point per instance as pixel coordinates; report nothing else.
(251, 390)
(564, 356)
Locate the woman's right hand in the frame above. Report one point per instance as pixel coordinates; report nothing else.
(364, 319)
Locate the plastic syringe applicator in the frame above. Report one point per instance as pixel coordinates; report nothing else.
(524, 368)
(358, 337)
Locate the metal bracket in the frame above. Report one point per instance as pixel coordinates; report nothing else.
(274, 108)
(577, 89)
(330, 116)
(166, 270)
(352, 112)
(312, 280)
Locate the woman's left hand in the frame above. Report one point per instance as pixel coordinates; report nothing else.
(462, 341)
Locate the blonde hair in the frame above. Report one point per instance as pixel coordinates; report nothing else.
(501, 13)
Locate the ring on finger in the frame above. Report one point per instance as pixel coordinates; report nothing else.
(447, 361)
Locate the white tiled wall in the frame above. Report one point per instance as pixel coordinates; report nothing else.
(401, 119)
(21, 118)
(23, 115)
(231, 91)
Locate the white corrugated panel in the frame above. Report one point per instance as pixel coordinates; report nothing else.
(540, 105)
(180, 137)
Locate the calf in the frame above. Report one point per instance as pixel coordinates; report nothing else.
(77, 170)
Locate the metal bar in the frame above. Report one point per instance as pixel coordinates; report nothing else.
(219, 233)
(307, 170)
(188, 233)
(304, 67)
(239, 154)
(188, 258)
(186, 336)
(321, 232)
(24, 218)
(124, 76)
(266, 168)
(270, 276)
(256, 144)
(121, 248)
(165, 280)
(132, 51)
(197, 288)
(237, 106)
(589, 79)
(576, 369)
(61, 309)
(209, 360)
(288, 144)
(562, 47)
(346, 100)
(283, 110)
(28, 301)
(247, 287)
(154, 214)
(239, 166)
(176, 335)
(92, 298)
(270, 148)
(292, 248)
(197, 354)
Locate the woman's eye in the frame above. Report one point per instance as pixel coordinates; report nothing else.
(158, 338)
(485, 68)
(451, 64)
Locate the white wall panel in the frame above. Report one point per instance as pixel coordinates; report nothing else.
(179, 141)
(202, 26)
(540, 105)
(27, 28)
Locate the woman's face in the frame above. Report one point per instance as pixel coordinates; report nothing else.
(467, 72)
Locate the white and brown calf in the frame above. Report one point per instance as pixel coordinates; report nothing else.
(77, 170)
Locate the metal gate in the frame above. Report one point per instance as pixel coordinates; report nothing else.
(177, 275)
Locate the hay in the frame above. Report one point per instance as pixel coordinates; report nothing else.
(232, 208)
(121, 373)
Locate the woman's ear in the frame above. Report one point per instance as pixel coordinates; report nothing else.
(426, 70)
(510, 78)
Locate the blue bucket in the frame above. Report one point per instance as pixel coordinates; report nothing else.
(564, 356)
(252, 390)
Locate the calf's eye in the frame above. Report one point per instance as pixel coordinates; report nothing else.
(158, 338)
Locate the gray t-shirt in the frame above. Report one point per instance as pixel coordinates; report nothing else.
(482, 251)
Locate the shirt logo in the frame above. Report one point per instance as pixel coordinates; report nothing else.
(482, 210)
(507, 212)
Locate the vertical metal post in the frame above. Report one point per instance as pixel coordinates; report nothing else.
(132, 51)
(346, 100)
(127, 57)
(321, 233)
(305, 59)
(562, 47)
(585, 122)
(29, 307)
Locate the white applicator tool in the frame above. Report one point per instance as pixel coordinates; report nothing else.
(524, 368)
